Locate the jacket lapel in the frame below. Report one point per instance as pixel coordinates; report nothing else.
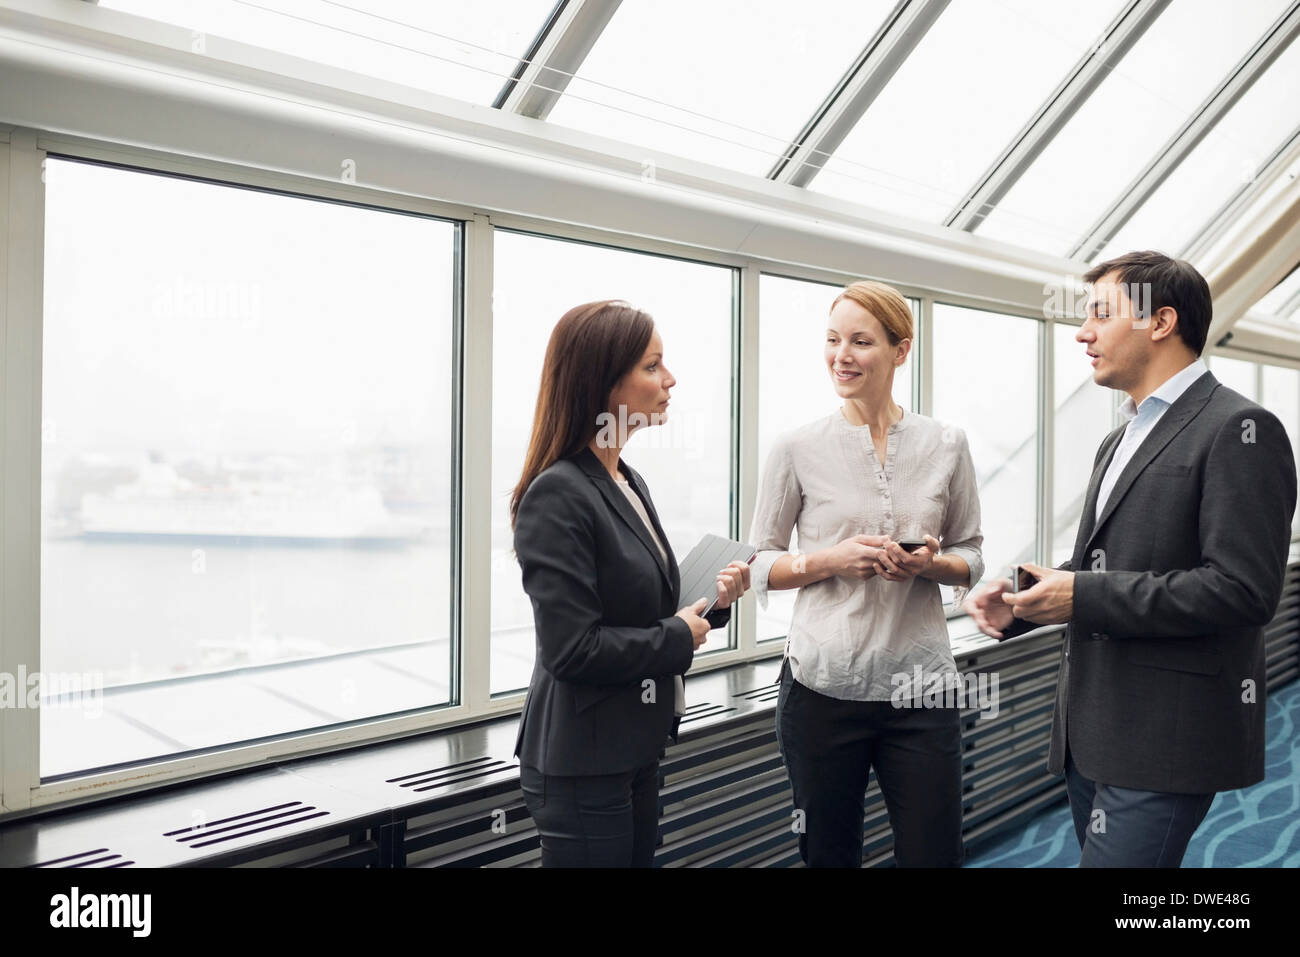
(617, 500)
(1171, 423)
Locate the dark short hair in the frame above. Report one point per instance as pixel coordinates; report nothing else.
(1173, 282)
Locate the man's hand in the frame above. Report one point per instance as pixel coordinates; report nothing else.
(1049, 602)
(987, 609)
(896, 564)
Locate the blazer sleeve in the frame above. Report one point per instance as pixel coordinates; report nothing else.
(1019, 626)
(1248, 495)
(555, 543)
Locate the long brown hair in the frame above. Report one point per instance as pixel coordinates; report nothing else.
(591, 348)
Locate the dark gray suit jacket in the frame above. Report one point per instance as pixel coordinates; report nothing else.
(1161, 682)
(608, 637)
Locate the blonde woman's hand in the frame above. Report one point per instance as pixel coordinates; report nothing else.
(733, 581)
(897, 564)
(857, 557)
(699, 627)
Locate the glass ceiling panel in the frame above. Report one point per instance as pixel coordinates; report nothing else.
(974, 80)
(728, 82)
(1228, 158)
(462, 50)
(1234, 229)
(1278, 296)
(1153, 90)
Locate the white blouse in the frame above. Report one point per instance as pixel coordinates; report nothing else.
(679, 686)
(861, 640)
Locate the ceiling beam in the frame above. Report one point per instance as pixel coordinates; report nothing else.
(841, 111)
(1258, 265)
(555, 57)
(1056, 111)
(1240, 79)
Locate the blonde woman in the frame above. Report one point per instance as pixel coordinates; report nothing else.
(863, 486)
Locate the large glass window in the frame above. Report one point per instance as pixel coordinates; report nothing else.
(461, 50)
(1282, 398)
(729, 82)
(1083, 417)
(1236, 374)
(1151, 92)
(686, 462)
(246, 480)
(986, 383)
(1280, 301)
(795, 388)
(1230, 156)
(925, 140)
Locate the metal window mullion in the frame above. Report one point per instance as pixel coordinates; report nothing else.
(1046, 441)
(1088, 74)
(557, 55)
(475, 538)
(22, 196)
(1291, 304)
(1228, 215)
(749, 465)
(923, 366)
(892, 44)
(1240, 79)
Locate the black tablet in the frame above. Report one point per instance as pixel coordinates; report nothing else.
(699, 569)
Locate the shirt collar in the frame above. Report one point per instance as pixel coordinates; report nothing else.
(1169, 390)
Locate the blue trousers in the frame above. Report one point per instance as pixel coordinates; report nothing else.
(1125, 827)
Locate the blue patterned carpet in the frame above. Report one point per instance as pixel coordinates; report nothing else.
(1255, 827)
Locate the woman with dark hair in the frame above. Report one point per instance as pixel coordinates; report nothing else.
(606, 690)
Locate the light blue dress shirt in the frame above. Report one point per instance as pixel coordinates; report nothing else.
(1142, 420)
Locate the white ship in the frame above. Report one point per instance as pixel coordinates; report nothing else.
(163, 505)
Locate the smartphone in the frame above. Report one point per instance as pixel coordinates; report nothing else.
(911, 546)
(1022, 579)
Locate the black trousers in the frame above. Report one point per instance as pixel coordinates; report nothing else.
(830, 747)
(603, 820)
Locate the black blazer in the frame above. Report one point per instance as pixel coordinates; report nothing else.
(1161, 681)
(608, 638)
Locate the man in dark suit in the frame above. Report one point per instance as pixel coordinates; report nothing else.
(1178, 563)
